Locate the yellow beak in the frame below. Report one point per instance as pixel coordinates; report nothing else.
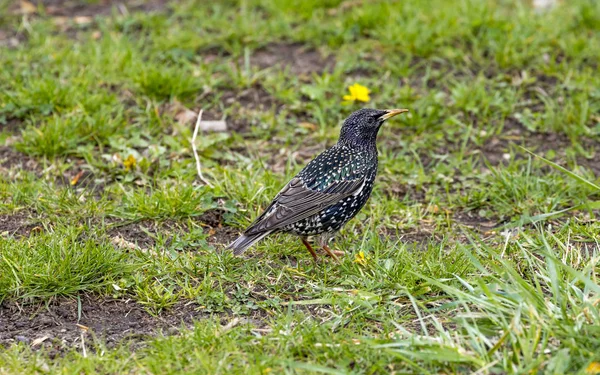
(392, 112)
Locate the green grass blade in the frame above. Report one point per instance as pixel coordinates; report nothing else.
(582, 180)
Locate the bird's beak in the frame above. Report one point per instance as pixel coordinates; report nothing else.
(392, 112)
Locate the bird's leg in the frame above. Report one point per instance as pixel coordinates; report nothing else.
(312, 252)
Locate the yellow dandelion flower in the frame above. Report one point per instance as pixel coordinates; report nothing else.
(358, 93)
(593, 368)
(360, 258)
(129, 163)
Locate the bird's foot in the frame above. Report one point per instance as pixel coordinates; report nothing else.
(335, 254)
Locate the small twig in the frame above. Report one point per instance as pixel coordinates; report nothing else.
(84, 352)
(198, 168)
(82, 332)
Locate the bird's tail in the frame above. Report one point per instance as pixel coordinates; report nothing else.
(245, 241)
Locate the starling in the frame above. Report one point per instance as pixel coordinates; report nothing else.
(329, 191)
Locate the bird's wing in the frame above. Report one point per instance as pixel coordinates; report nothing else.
(296, 202)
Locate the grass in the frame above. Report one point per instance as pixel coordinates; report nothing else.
(472, 256)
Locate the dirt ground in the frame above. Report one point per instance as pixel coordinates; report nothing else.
(76, 8)
(63, 322)
(55, 326)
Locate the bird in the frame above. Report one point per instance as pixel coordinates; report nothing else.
(329, 191)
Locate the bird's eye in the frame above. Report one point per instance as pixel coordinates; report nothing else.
(371, 120)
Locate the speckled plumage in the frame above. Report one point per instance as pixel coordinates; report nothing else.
(341, 162)
(330, 190)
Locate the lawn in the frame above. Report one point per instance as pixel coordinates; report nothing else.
(476, 253)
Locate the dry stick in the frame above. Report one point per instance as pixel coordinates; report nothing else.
(84, 352)
(83, 331)
(198, 168)
(228, 327)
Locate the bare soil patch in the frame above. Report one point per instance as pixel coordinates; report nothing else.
(255, 98)
(496, 150)
(10, 38)
(19, 224)
(13, 159)
(78, 8)
(142, 234)
(223, 236)
(299, 58)
(10, 125)
(417, 239)
(402, 190)
(73, 15)
(59, 325)
(473, 221)
(137, 234)
(218, 234)
(109, 320)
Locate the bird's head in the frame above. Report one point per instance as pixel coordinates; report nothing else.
(362, 126)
